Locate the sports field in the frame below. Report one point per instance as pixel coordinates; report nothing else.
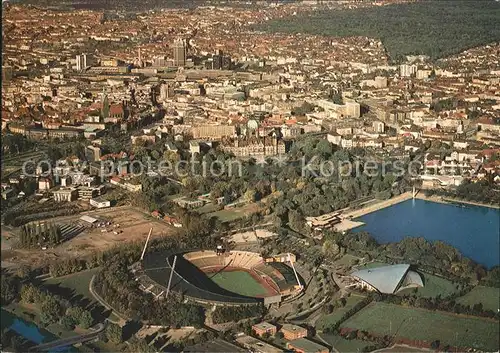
(331, 319)
(488, 296)
(344, 345)
(421, 324)
(240, 282)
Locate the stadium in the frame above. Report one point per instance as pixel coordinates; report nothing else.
(220, 277)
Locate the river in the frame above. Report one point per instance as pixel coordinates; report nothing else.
(29, 330)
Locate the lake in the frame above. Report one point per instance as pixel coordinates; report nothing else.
(473, 230)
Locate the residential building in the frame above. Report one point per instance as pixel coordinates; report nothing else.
(83, 61)
(380, 82)
(213, 131)
(86, 193)
(93, 153)
(378, 127)
(65, 195)
(254, 147)
(406, 70)
(334, 138)
(100, 202)
(179, 52)
(44, 184)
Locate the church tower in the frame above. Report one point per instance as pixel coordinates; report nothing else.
(105, 106)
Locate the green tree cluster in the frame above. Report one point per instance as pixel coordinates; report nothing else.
(39, 234)
(435, 28)
(226, 314)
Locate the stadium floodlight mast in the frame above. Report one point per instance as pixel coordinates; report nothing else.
(146, 245)
(170, 278)
(295, 272)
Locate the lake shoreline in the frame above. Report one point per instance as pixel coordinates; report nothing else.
(349, 218)
(472, 230)
(454, 201)
(349, 221)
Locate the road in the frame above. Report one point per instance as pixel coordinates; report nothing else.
(104, 304)
(71, 340)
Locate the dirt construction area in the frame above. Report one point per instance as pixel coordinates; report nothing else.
(113, 226)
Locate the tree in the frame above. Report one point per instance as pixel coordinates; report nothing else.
(435, 344)
(279, 335)
(30, 294)
(250, 195)
(9, 288)
(266, 335)
(51, 309)
(86, 319)
(296, 221)
(114, 333)
(68, 323)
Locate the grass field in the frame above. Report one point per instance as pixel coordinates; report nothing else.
(420, 324)
(78, 282)
(344, 345)
(233, 214)
(433, 285)
(337, 314)
(227, 215)
(489, 297)
(76, 286)
(399, 348)
(240, 282)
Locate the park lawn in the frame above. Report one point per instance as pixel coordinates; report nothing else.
(433, 285)
(420, 324)
(208, 208)
(330, 319)
(236, 213)
(341, 344)
(78, 282)
(239, 282)
(229, 215)
(488, 296)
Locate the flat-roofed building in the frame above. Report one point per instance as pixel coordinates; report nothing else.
(86, 193)
(303, 345)
(213, 131)
(264, 327)
(65, 195)
(293, 332)
(100, 202)
(257, 346)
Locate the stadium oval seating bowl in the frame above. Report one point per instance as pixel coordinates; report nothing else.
(190, 276)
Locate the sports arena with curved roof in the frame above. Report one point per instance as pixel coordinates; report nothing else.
(387, 279)
(228, 278)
